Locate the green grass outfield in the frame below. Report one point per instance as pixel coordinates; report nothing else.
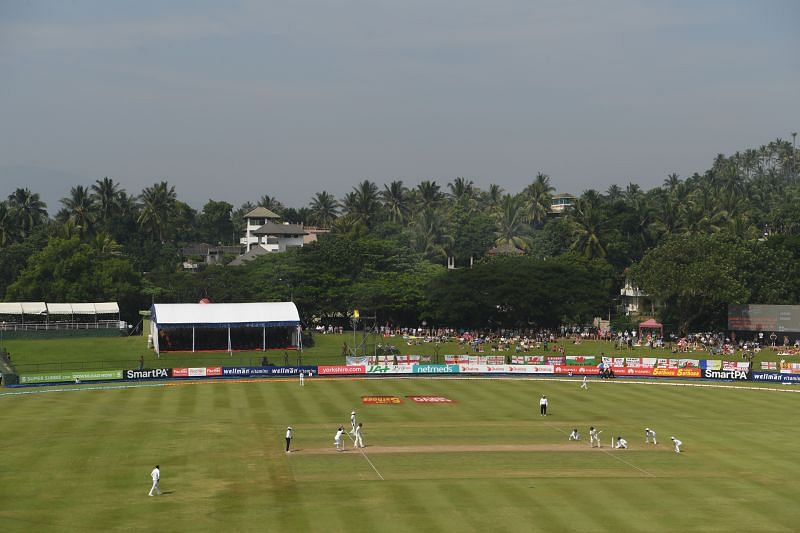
(79, 459)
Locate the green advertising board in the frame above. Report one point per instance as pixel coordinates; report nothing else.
(58, 377)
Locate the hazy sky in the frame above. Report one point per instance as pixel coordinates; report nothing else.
(232, 100)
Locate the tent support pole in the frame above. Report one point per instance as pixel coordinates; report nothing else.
(192, 339)
(229, 341)
(264, 338)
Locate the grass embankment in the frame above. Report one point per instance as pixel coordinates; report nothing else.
(113, 353)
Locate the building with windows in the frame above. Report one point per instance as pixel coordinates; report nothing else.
(262, 228)
(561, 202)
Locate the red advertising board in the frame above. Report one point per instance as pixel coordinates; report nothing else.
(214, 371)
(632, 371)
(576, 369)
(180, 372)
(341, 370)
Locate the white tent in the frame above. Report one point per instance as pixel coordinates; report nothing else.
(224, 316)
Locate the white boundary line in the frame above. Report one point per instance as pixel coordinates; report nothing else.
(365, 456)
(607, 453)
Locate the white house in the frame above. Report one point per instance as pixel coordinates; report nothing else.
(263, 229)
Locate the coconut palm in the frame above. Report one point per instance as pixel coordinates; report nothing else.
(324, 209)
(361, 205)
(80, 209)
(462, 190)
(7, 226)
(430, 234)
(271, 203)
(429, 195)
(491, 198)
(27, 210)
(511, 218)
(587, 229)
(395, 200)
(157, 208)
(614, 193)
(538, 196)
(106, 195)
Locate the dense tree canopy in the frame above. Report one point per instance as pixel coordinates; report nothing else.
(696, 244)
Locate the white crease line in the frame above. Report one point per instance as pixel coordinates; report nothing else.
(365, 456)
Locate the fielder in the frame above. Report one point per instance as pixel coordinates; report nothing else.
(302, 379)
(337, 439)
(622, 444)
(575, 435)
(648, 435)
(543, 405)
(353, 423)
(585, 384)
(677, 444)
(594, 437)
(358, 442)
(156, 475)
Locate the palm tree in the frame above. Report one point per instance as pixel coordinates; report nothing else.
(430, 234)
(105, 245)
(27, 210)
(491, 198)
(538, 195)
(614, 193)
(324, 209)
(271, 203)
(672, 181)
(462, 190)
(6, 225)
(429, 195)
(158, 204)
(361, 205)
(106, 196)
(80, 209)
(587, 229)
(511, 222)
(395, 199)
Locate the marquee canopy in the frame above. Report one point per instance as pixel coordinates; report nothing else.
(651, 324)
(238, 315)
(42, 308)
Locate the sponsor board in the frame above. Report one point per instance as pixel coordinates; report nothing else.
(506, 369)
(435, 369)
(212, 371)
(56, 377)
(153, 373)
(389, 369)
(676, 372)
(621, 371)
(725, 374)
(775, 377)
(341, 370)
(381, 400)
(430, 399)
(180, 372)
(261, 371)
(575, 369)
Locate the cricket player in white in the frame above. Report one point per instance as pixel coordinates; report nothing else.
(358, 442)
(622, 444)
(543, 405)
(585, 384)
(353, 423)
(288, 438)
(575, 435)
(594, 437)
(302, 379)
(337, 439)
(649, 434)
(677, 444)
(156, 475)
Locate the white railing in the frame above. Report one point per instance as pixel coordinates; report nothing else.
(52, 326)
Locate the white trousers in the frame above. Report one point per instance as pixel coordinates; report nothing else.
(359, 442)
(155, 488)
